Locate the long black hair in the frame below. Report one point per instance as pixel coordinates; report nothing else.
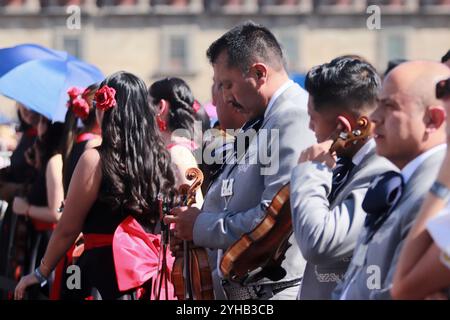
(177, 92)
(22, 126)
(49, 144)
(136, 166)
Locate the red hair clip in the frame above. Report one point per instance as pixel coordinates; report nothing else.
(77, 102)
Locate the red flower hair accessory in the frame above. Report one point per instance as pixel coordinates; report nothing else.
(196, 106)
(105, 98)
(74, 92)
(78, 103)
(80, 108)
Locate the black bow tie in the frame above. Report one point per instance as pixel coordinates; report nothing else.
(340, 175)
(254, 125)
(381, 198)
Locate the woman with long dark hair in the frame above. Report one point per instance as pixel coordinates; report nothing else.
(116, 188)
(46, 193)
(76, 140)
(173, 102)
(44, 197)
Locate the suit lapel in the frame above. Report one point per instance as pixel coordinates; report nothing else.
(421, 174)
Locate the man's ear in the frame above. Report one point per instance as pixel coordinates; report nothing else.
(260, 72)
(434, 118)
(343, 124)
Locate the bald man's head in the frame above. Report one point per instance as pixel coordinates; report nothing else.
(409, 119)
(417, 80)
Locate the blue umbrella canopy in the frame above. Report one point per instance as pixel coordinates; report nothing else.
(39, 77)
(15, 56)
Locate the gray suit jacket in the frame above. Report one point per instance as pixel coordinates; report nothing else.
(370, 275)
(217, 227)
(327, 233)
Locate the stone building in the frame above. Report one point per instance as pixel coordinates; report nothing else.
(158, 38)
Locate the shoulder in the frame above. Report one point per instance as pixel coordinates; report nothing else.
(93, 143)
(90, 157)
(374, 165)
(57, 158)
(290, 107)
(89, 161)
(180, 151)
(294, 97)
(88, 168)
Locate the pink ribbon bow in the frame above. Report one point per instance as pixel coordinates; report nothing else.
(137, 259)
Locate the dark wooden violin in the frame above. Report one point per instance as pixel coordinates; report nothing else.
(191, 274)
(259, 253)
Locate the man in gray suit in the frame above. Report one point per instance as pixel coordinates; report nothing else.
(249, 68)
(326, 197)
(410, 132)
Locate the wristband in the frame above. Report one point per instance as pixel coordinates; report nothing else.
(440, 190)
(42, 280)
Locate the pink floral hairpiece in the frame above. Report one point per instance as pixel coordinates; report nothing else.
(105, 98)
(78, 103)
(196, 106)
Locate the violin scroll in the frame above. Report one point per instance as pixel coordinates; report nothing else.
(189, 191)
(345, 140)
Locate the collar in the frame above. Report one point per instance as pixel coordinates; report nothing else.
(277, 93)
(86, 136)
(409, 169)
(365, 149)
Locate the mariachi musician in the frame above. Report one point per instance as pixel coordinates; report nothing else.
(326, 194)
(248, 67)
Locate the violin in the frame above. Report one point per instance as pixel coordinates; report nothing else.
(191, 274)
(260, 252)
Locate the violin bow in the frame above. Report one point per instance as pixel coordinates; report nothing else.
(162, 273)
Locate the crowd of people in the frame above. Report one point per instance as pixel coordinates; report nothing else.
(364, 155)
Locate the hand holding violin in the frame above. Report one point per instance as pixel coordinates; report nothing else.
(319, 152)
(184, 219)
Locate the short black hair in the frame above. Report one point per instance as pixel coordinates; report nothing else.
(244, 44)
(344, 83)
(446, 57)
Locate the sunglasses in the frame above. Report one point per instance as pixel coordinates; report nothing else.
(443, 89)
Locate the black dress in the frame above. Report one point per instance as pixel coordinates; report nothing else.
(20, 172)
(97, 264)
(75, 154)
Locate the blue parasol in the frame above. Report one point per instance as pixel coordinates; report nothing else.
(39, 77)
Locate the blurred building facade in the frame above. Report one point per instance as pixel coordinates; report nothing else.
(159, 38)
